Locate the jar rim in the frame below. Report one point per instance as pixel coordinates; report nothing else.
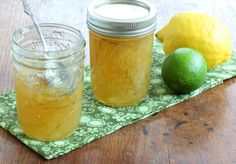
(75, 48)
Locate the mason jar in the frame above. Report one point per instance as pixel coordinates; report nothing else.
(121, 36)
(48, 84)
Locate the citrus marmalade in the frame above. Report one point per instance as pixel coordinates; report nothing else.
(121, 36)
(48, 84)
(45, 114)
(120, 68)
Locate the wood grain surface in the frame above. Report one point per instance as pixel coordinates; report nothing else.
(200, 130)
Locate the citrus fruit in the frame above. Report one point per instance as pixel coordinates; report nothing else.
(184, 70)
(204, 33)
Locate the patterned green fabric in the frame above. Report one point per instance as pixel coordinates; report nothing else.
(99, 120)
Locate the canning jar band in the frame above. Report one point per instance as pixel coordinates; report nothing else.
(121, 27)
(123, 38)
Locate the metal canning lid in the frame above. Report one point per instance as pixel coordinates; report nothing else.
(122, 17)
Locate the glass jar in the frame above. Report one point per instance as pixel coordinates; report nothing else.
(121, 36)
(49, 83)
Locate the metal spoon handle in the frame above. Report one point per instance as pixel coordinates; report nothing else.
(27, 10)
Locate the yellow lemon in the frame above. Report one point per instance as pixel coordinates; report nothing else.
(202, 32)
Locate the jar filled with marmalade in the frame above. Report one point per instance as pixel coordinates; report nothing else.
(121, 36)
(49, 83)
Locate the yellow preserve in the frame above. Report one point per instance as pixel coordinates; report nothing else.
(46, 114)
(121, 39)
(120, 68)
(48, 84)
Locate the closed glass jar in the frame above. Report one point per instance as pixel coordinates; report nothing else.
(121, 40)
(48, 84)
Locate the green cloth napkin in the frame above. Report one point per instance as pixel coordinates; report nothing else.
(99, 120)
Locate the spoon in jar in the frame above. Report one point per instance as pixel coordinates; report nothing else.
(58, 80)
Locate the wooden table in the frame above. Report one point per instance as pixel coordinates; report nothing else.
(200, 130)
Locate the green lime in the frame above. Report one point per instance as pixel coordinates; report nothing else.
(184, 70)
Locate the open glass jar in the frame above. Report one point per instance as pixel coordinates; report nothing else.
(48, 83)
(121, 40)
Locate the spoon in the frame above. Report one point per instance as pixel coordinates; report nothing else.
(28, 11)
(58, 80)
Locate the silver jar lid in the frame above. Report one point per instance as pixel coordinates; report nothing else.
(122, 17)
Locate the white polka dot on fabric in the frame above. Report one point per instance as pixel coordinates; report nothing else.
(143, 109)
(84, 119)
(96, 123)
(59, 142)
(1, 110)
